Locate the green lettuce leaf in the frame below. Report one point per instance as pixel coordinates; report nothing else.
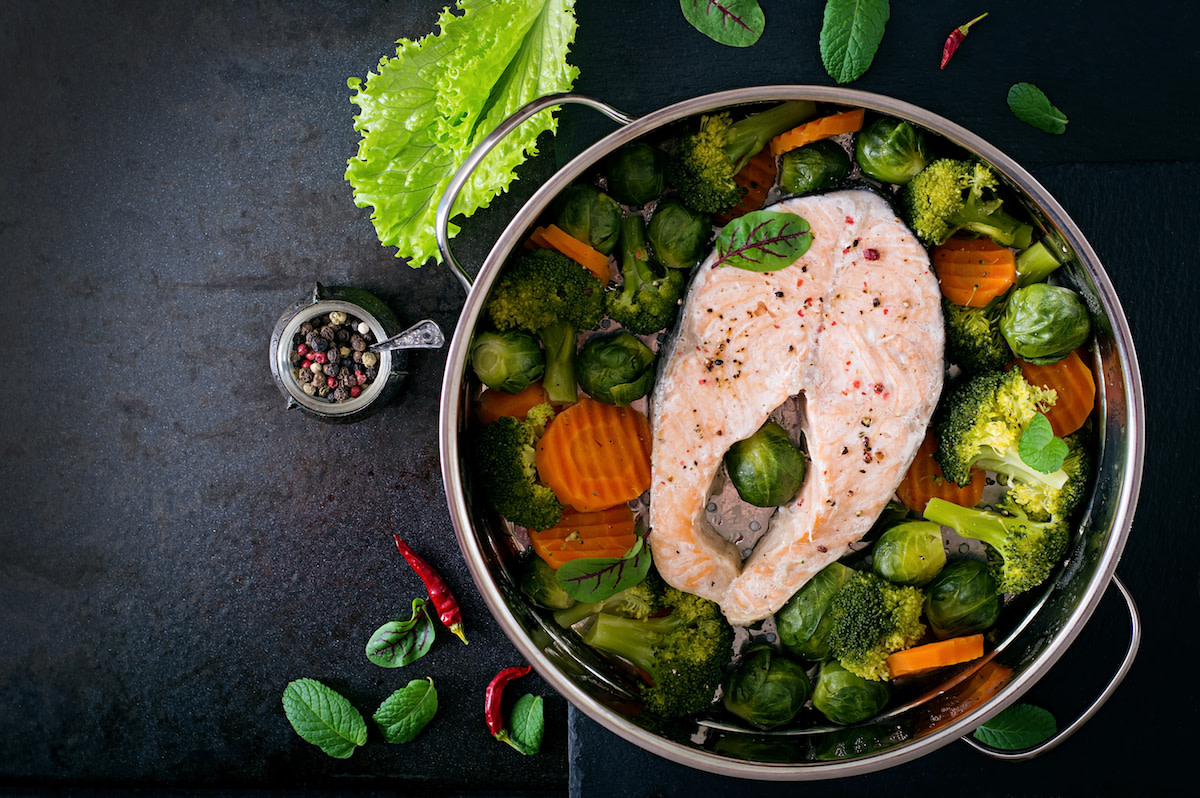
(423, 111)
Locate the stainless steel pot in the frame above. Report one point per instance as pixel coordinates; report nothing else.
(947, 711)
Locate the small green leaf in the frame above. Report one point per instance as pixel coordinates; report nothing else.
(850, 35)
(591, 579)
(1017, 727)
(1039, 448)
(398, 643)
(323, 717)
(737, 23)
(1033, 107)
(528, 722)
(404, 713)
(763, 241)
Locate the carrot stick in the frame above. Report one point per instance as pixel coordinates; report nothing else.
(757, 177)
(1075, 385)
(974, 271)
(495, 404)
(553, 237)
(602, 533)
(935, 655)
(924, 480)
(817, 129)
(595, 456)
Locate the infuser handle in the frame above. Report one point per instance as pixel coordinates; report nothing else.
(1135, 637)
(522, 114)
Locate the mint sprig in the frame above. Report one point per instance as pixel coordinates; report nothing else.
(1033, 107)
(850, 36)
(404, 713)
(1039, 448)
(1018, 727)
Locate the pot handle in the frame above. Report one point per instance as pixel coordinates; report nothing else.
(522, 114)
(1135, 637)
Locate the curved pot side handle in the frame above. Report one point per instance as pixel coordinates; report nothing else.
(1135, 637)
(524, 113)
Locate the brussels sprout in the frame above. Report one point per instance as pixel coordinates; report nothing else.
(962, 600)
(847, 698)
(910, 553)
(541, 587)
(890, 150)
(635, 173)
(588, 214)
(803, 623)
(813, 167)
(767, 689)
(615, 367)
(678, 235)
(767, 468)
(507, 361)
(1043, 323)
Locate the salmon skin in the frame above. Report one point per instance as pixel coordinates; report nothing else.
(854, 326)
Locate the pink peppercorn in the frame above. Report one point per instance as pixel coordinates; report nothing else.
(331, 382)
(355, 391)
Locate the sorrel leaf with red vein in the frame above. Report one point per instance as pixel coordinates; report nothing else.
(402, 642)
(763, 241)
(592, 579)
(737, 23)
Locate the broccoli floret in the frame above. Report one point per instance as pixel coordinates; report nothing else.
(871, 618)
(1044, 503)
(1023, 551)
(981, 423)
(704, 163)
(1036, 263)
(648, 298)
(950, 195)
(684, 652)
(974, 341)
(548, 294)
(507, 467)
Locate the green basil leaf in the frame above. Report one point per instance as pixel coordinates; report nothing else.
(592, 579)
(1039, 448)
(323, 717)
(737, 23)
(1017, 727)
(398, 643)
(1033, 107)
(404, 713)
(528, 723)
(850, 35)
(763, 241)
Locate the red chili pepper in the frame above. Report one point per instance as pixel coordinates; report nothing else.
(492, 697)
(955, 39)
(443, 600)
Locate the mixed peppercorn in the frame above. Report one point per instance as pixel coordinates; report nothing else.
(330, 359)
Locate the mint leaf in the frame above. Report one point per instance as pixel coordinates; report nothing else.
(737, 23)
(404, 713)
(527, 722)
(763, 241)
(850, 35)
(1039, 448)
(1017, 727)
(1033, 107)
(592, 579)
(323, 717)
(402, 642)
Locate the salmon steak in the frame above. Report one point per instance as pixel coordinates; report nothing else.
(854, 328)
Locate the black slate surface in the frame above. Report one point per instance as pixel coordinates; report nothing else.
(177, 546)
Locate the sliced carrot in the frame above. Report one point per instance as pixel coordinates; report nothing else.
(594, 455)
(496, 404)
(974, 271)
(756, 177)
(602, 533)
(817, 129)
(924, 480)
(553, 237)
(1075, 385)
(935, 655)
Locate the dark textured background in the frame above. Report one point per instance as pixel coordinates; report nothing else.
(175, 546)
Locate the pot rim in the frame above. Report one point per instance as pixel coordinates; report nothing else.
(1128, 420)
